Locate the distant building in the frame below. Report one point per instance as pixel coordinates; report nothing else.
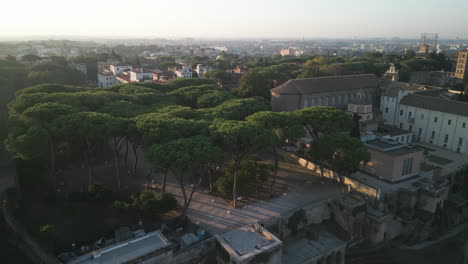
(392, 73)
(461, 72)
(119, 68)
(240, 69)
(337, 91)
(287, 52)
(141, 75)
(424, 49)
(202, 69)
(185, 72)
(106, 79)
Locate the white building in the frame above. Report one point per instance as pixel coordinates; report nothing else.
(119, 68)
(185, 72)
(140, 75)
(201, 70)
(106, 79)
(433, 118)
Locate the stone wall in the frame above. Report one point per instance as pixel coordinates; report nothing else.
(355, 185)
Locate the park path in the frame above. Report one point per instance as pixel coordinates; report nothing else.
(217, 216)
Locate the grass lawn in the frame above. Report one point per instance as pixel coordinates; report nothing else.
(439, 160)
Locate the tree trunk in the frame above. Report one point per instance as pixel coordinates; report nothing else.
(275, 173)
(184, 194)
(135, 165)
(210, 171)
(126, 153)
(88, 162)
(148, 177)
(116, 159)
(234, 185)
(164, 181)
(52, 168)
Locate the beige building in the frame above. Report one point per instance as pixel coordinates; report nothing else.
(337, 91)
(461, 72)
(392, 161)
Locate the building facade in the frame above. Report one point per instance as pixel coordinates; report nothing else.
(106, 79)
(185, 72)
(337, 91)
(434, 120)
(461, 72)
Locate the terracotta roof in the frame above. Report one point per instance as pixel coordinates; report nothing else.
(327, 84)
(436, 104)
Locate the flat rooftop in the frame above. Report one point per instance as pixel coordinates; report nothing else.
(389, 148)
(247, 241)
(125, 251)
(305, 250)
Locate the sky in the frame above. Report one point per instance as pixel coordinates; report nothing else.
(234, 19)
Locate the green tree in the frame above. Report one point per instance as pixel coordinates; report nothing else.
(356, 130)
(30, 58)
(285, 125)
(324, 119)
(241, 139)
(183, 154)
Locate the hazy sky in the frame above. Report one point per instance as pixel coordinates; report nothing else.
(234, 18)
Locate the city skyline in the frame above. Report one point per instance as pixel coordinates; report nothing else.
(243, 19)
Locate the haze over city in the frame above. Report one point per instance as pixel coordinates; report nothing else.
(234, 19)
(234, 132)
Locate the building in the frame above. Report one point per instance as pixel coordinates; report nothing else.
(146, 248)
(432, 115)
(392, 161)
(287, 52)
(106, 79)
(461, 72)
(202, 70)
(243, 245)
(337, 91)
(119, 68)
(392, 73)
(367, 123)
(185, 72)
(141, 75)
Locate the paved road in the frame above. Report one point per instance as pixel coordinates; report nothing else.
(217, 216)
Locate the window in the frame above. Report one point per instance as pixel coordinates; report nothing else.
(408, 139)
(386, 109)
(449, 122)
(407, 166)
(446, 138)
(464, 125)
(432, 134)
(435, 119)
(409, 114)
(410, 127)
(419, 132)
(401, 112)
(422, 116)
(460, 141)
